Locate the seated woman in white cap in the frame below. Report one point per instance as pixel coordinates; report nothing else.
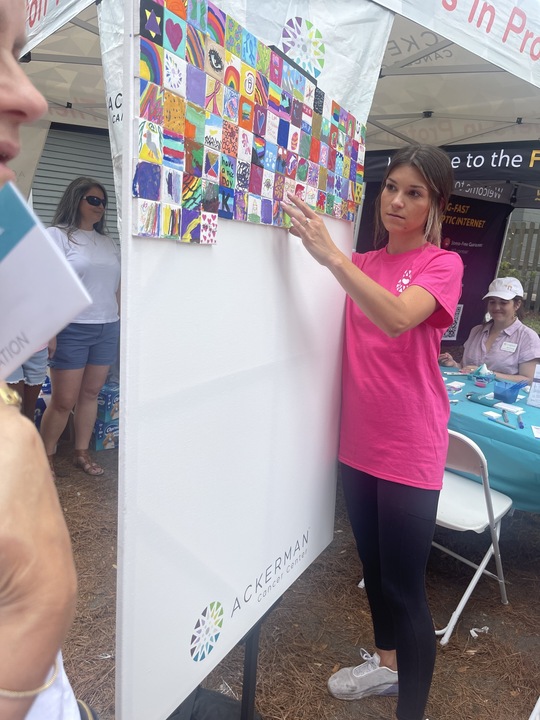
(504, 344)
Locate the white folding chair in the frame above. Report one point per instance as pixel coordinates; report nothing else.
(465, 504)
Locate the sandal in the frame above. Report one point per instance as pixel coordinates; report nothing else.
(82, 460)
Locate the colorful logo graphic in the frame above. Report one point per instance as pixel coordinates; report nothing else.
(206, 631)
(304, 44)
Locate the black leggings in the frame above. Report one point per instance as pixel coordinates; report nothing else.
(393, 525)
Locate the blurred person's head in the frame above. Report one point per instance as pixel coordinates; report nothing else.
(20, 102)
(82, 206)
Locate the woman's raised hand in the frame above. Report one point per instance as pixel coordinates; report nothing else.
(311, 229)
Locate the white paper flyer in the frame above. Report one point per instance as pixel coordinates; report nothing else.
(39, 291)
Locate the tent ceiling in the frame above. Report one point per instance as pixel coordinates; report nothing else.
(430, 89)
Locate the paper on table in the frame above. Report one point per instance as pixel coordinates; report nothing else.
(534, 392)
(536, 431)
(509, 408)
(39, 291)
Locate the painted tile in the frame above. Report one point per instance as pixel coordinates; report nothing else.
(309, 93)
(213, 132)
(305, 144)
(276, 68)
(266, 211)
(321, 201)
(350, 127)
(190, 226)
(171, 186)
(262, 85)
(227, 174)
(247, 81)
(316, 123)
(151, 102)
(241, 205)
(194, 157)
(318, 101)
(177, 7)
(211, 165)
(226, 202)
(195, 43)
(231, 104)
(151, 21)
(334, 114)
(341, 139)
(358, 191)
(196, 13)
(233, 67)
(229, 138)
(323, 178)
(249, 48)
(278, 216)
(209, 226)
(258, 150)
(327, 107)
(289, 187)
(323, 155)
(254, 209)
(281, 161)
(283, 133)
(299, 86)
(333, 136)
(195, 123)
(245, 144)
(147, 181)
(175, 73)
(339, 164)
(147, 217)
(215, 24)
(267, 187)
(173, 151)
(330, 182)
(285, 105)
(313, 174)
(287, 77)
(255, 180)
(329, 204)
(243, 172)
(270, 156)
(259, 120)
(302, 170)
(175, 30)
(151, 62)
(311, 197)
(274, 98)
(214, 60)
(279, 186)
(332, 154)
(263, 58)
(170, 221)
(191, 192)
(213, 101)
(150, 142)
(344, 189)
(195, 85)
(294, 139)
(325, 130)
(272, 126)
(245, 113)
(292, 164)
(233, 36)
(210, 196)
(314, 150)
(343, 119)
(174, 113)
(296, 112)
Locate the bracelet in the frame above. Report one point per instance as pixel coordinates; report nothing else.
(9, 396)
(16, 694)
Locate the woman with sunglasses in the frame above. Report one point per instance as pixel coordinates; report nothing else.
(81, 355)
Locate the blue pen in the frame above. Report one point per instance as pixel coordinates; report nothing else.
(501, 422)
(520, 422)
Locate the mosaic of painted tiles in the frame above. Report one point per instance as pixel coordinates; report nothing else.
(227, 127)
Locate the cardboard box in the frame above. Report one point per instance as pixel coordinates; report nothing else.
(104, 435)
(108, 402)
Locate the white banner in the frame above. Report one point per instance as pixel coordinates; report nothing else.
(504, 32)
(43, 17)
(111, 36)
(341, 44)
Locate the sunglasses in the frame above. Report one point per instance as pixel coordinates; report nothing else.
(95, 200)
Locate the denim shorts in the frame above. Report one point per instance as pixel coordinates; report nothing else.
(81, 344)
(33, 371)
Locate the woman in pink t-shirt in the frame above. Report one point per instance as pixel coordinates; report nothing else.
(393, 437)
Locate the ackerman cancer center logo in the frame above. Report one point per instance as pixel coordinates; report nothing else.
(206, 631)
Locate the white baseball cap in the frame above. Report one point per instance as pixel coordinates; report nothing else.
(506, 288)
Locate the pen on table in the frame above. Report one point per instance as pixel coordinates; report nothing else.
(505, 416)
(501, 422)
(520, 422)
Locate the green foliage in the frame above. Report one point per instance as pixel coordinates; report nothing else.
(506, 269)
(532, 320)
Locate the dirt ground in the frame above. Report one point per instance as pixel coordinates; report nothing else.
(322, 621)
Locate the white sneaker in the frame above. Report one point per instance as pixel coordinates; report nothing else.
(369, 678)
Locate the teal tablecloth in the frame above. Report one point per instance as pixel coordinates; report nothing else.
(513, 456)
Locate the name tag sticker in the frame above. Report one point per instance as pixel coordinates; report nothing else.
(509, 347)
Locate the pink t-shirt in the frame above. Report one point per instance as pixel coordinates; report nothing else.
(395, 406)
